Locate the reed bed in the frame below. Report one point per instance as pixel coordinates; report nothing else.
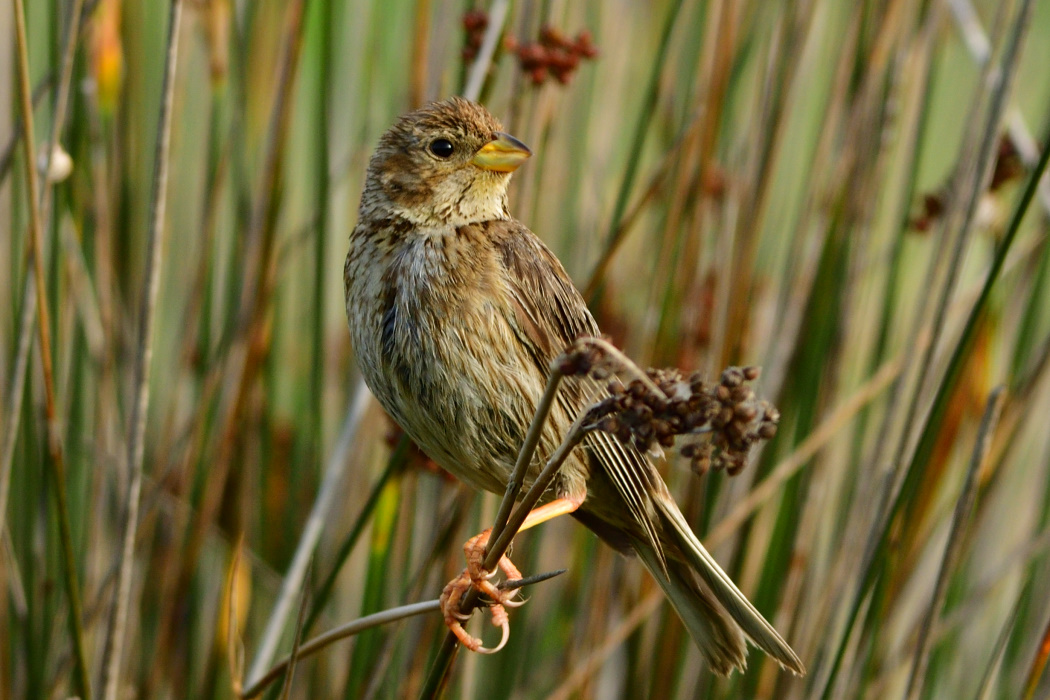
(195, 485)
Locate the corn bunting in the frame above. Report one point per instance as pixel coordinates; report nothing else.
(456, 311)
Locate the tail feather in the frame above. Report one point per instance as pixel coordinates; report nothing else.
(716, 635)
(739, 608)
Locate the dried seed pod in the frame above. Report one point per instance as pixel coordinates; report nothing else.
(727, 413)
(550, 36)
(475, 20)
(732, 377)
(745, 412)
(636, 389)
(736, 431)
(767, 431)
(741, 394)
(725, 416)
(584, 45)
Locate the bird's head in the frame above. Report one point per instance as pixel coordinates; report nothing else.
(446, 164)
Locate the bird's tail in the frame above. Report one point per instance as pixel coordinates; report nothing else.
(716, 635)
(715, 612)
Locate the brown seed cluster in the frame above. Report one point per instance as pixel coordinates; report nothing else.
(1008, 166)
(583, 359)
(739, 421)
(475, 22)
(727, 417)
(553, 54)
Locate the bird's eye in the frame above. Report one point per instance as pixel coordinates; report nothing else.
(442, 148)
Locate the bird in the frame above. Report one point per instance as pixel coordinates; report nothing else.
(456, 311)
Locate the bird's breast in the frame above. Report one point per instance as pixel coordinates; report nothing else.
(430, 328)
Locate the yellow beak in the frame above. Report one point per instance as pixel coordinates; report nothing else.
(503, 154)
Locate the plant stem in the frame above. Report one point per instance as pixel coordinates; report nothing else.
(143, 361)
(54, 442)
(342, 632)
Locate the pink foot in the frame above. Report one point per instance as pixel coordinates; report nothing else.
(474, 575)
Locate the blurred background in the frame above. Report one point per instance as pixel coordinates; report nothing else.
(833, 191)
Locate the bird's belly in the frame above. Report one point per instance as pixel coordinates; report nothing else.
(460, 390)
(440, 353)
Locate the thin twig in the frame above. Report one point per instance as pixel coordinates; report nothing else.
(514, 584)
(361, 624)
(417, 90)
(976, 42)
(395, 465)
(16, 390)
(54, 443)
(1038, 665)
(499, 539)
(985, 690)
(7, 154)
(143, 361)
(26, 317)
(326, 494)
(528, 448)
(246, 348)
(480, 68)
(624, 364)
(503, 532)
(501, 542)
(289, 675)
(61, 99)
(507, 523)
(234, 649)
(953, 548)
(342, 632)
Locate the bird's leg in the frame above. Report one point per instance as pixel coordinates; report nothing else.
(550, 511)
(475, 575)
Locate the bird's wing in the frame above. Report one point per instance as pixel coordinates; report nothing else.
(548, 315)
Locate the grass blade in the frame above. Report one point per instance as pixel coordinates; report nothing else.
(953, 548)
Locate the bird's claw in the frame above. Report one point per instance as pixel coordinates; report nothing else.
(475, 575)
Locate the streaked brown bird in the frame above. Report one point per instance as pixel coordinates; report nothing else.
(457, 310)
